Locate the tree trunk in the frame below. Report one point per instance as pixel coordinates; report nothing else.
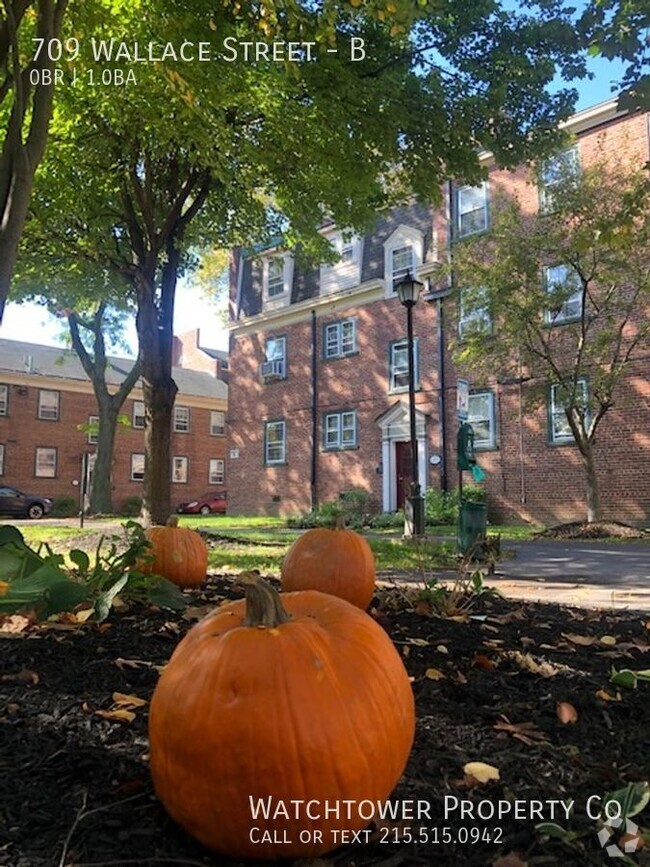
(101, 498)
(593, 498)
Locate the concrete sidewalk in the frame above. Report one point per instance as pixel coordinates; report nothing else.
(584, 573)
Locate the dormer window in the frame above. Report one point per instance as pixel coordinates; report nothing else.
(346, 271)
(403, 253)
(277, 276)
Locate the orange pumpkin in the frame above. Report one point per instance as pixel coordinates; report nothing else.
(336, 561)
(180, 554)
(300, 697)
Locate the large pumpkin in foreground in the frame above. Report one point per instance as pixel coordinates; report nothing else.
(306, 703)
(180, 554)
(336, 561)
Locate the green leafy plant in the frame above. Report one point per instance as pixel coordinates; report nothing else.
(65, 507)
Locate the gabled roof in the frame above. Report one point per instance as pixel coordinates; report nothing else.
(35, 360)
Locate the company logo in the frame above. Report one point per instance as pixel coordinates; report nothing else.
(631, 837)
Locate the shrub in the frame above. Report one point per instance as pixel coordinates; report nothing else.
(441, 507)
(131, 507)
(64, 507)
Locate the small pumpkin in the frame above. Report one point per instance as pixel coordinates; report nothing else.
(180, 554)
(336, 561)
(275, 699)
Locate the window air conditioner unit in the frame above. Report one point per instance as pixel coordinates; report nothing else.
(272, 369)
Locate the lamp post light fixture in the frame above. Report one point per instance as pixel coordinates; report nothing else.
(408, 290)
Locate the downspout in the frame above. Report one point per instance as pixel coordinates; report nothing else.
(314, 414)
(444, 477)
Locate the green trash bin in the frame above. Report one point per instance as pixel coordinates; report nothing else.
(472, 527)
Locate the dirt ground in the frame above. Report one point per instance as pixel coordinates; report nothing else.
(74, 778)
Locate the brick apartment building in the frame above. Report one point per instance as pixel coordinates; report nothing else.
(319, 372)
(47, 404)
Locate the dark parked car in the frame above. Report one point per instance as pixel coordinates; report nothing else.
(211, 503)
(15, 502)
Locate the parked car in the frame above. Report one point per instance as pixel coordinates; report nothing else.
(15, 502)
(211, 503)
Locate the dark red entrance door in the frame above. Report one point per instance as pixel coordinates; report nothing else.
(403, 468)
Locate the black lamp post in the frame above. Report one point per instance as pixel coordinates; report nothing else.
(408, 290)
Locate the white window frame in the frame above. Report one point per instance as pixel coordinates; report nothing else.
(553, 171)
(477, 320)
(137, 413)
(217, 428)
(401, 346)
(277, 299)
(280, 443)
(403, 236)
(340, 338)
(4, 399)
(137, 458)
(462, 210)
(180, 469)
(346, 271)
(45, 462)
(475, 418)
(49, 413)
(181, 419)
(340, 430)
(571, 309)
(556, 411)
(275, 349)
(2, 459)
(93, 422)
(216, 471)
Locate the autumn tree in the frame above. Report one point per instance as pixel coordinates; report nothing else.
(240, 148)
(561, 298)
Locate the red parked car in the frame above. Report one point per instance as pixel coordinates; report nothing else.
(213, 503)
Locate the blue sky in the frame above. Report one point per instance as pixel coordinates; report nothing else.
(32, 323)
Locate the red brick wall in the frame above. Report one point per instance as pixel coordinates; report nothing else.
(22, 432)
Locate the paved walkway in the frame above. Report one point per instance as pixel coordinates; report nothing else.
(593, 574)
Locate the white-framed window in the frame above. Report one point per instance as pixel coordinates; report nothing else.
(403, 253)
(275, 446)
(4, 399)
(181, 419)
(179, 469)
(471, 209)
(275, 366)
(559, 429)
(340, 338)
(2, 459)
(481, 416)
(398, 370)
(277, 277)
(45, 463)
(340, 430)
(93, 429)
(473, 317)
(217, 423)
(346, 271)
(563, 283)
(556, 170)
(137, 467)
(48, 405)
(216, 471)
(137, 416)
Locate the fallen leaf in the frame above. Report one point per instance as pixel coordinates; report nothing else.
(22, 676)
(122, 700)
(566, 712)
(528, 663)
(605, 696)
(481, 772)
(132, 663)
(117, 715)
(608, 640)
(434, 674)
(84, 614)
(460, 678)
(632, 842)
(527, 732)
(14, 624)
(481, 661)
(441, 648)
(418, 642)
(423, 609)
(583, 640)
(405, 651)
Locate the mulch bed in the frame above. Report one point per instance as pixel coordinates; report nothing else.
(594, 530)
(75, 786)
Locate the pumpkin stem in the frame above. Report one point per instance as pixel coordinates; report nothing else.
(172, 521)
(263, 604)
(339, 522)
